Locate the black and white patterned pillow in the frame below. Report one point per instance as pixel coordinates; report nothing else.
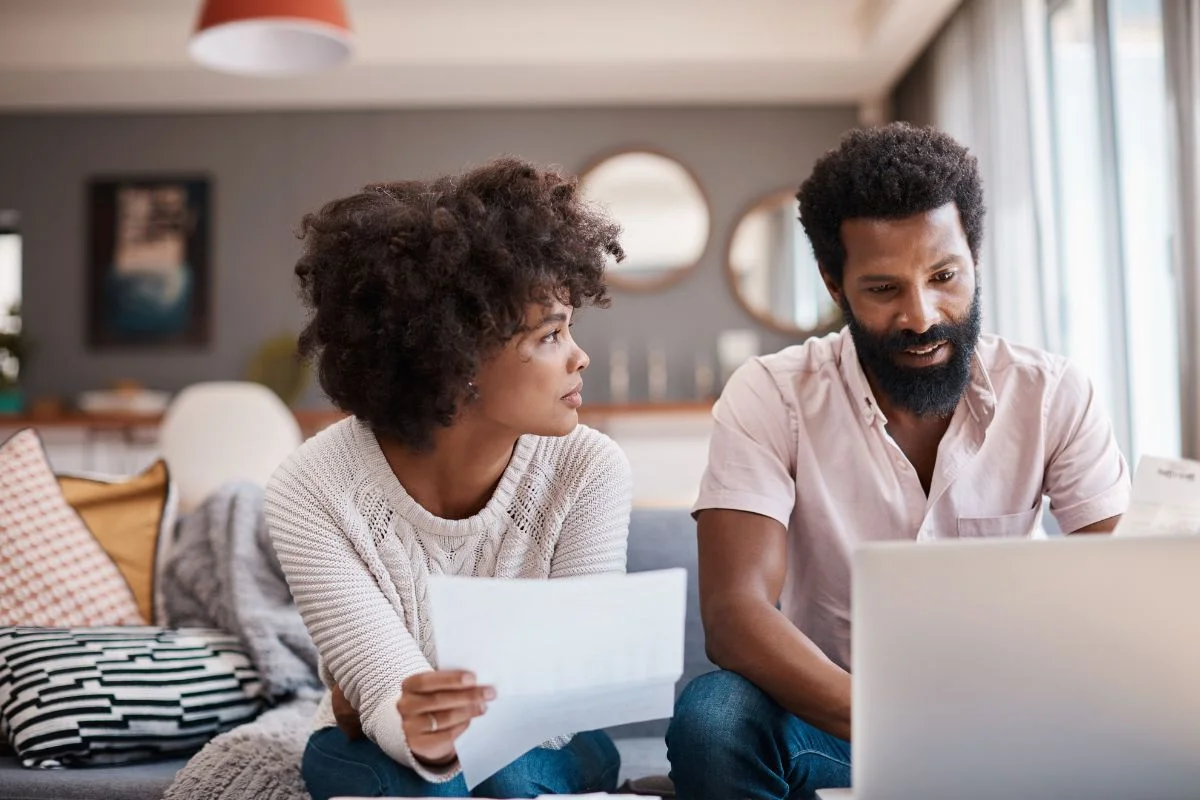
(86, 696)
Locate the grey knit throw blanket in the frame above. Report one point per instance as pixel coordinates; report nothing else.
(222, 572)
(259, 760)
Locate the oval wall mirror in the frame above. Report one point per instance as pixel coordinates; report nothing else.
(773, 272)
(662, 212)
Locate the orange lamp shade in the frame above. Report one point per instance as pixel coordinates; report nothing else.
(271, 37)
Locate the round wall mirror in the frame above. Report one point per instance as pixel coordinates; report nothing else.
(773, 272)
(662, 213)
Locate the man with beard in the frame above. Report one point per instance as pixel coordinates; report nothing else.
(906, 425)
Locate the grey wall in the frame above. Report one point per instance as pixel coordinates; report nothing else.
(267, 169)
(912, 99)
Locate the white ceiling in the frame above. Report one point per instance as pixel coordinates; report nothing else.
(131, 54)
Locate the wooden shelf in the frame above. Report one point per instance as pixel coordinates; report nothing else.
(80, 420)
(313, 420)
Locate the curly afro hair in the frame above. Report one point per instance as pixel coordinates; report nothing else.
(412, 285)
(889, 172)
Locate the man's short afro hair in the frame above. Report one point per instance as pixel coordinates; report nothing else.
(888, 172)
(412, 285)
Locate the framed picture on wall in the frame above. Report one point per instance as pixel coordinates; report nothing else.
(148, 262)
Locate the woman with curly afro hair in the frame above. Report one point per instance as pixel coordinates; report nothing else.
(440, 322)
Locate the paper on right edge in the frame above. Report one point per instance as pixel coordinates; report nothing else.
(1165, 499)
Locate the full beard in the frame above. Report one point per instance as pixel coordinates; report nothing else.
(924, 391)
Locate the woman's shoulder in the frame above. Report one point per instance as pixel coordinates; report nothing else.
(328, 461)
(583, 454)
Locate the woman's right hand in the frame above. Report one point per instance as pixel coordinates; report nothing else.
(436, 707)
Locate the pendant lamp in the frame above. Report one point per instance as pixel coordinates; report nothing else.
(271, 37)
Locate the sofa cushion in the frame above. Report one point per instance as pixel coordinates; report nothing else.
(146, 781)
(55, 572)
(90, 696)
(642, 758)
(131, 518)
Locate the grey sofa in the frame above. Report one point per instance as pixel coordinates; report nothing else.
(658, 539)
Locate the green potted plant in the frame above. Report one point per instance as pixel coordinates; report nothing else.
(14, 354)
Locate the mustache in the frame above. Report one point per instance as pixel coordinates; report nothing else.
(897, 341)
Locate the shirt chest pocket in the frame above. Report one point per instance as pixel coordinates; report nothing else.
(1006, 525)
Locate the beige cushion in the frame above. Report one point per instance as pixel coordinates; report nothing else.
(131, 518)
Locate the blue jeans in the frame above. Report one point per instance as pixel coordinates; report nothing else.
(334, 765)
(729, 739)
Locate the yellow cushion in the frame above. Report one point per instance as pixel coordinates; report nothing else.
(130, 518)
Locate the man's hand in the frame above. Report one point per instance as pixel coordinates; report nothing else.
(347, 718)
(436, 707)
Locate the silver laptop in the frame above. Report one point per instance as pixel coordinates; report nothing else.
(1019, 669)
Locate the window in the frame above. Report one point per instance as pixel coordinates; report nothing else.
(1140, 95)
(1109, 144)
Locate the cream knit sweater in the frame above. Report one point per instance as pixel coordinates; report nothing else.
(357, 552)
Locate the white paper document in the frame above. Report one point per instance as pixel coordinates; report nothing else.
(1165, 500)
(565, 655)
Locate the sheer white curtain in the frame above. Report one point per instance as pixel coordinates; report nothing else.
(1181, 25)
(974, 83)
(1063, 103)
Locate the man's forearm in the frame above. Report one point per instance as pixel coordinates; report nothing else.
(1103, 526)
(760, 644)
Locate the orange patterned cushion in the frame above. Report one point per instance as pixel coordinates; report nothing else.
(54, 573)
